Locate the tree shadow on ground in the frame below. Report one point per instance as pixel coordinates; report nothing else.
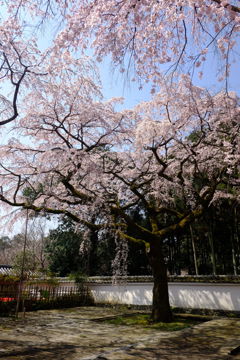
(59, 351)
(205, 343)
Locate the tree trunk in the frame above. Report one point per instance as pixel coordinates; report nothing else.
(92, 263)
(212, 253)
(160, 306)
(235, 243)
(194, 251)
(234, 257)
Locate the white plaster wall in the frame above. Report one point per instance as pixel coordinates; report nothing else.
(133, 293)
(218, 296)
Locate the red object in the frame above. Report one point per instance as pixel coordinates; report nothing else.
(6, 299)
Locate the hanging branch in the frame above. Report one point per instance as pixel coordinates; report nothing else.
(19, 296)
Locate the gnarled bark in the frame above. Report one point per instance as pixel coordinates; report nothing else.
(161, 310)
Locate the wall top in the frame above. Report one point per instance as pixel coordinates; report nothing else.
(171, 278)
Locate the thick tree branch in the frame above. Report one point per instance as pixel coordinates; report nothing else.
(228, 6)
(143, 233)
(48, 210)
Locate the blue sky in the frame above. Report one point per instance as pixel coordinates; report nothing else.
(116, 85)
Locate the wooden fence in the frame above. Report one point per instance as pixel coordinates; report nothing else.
(8, 292)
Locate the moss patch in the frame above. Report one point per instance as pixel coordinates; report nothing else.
(144, 321)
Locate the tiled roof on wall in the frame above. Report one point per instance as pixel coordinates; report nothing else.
(5, 269)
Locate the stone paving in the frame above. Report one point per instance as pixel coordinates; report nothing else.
(71, 334)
